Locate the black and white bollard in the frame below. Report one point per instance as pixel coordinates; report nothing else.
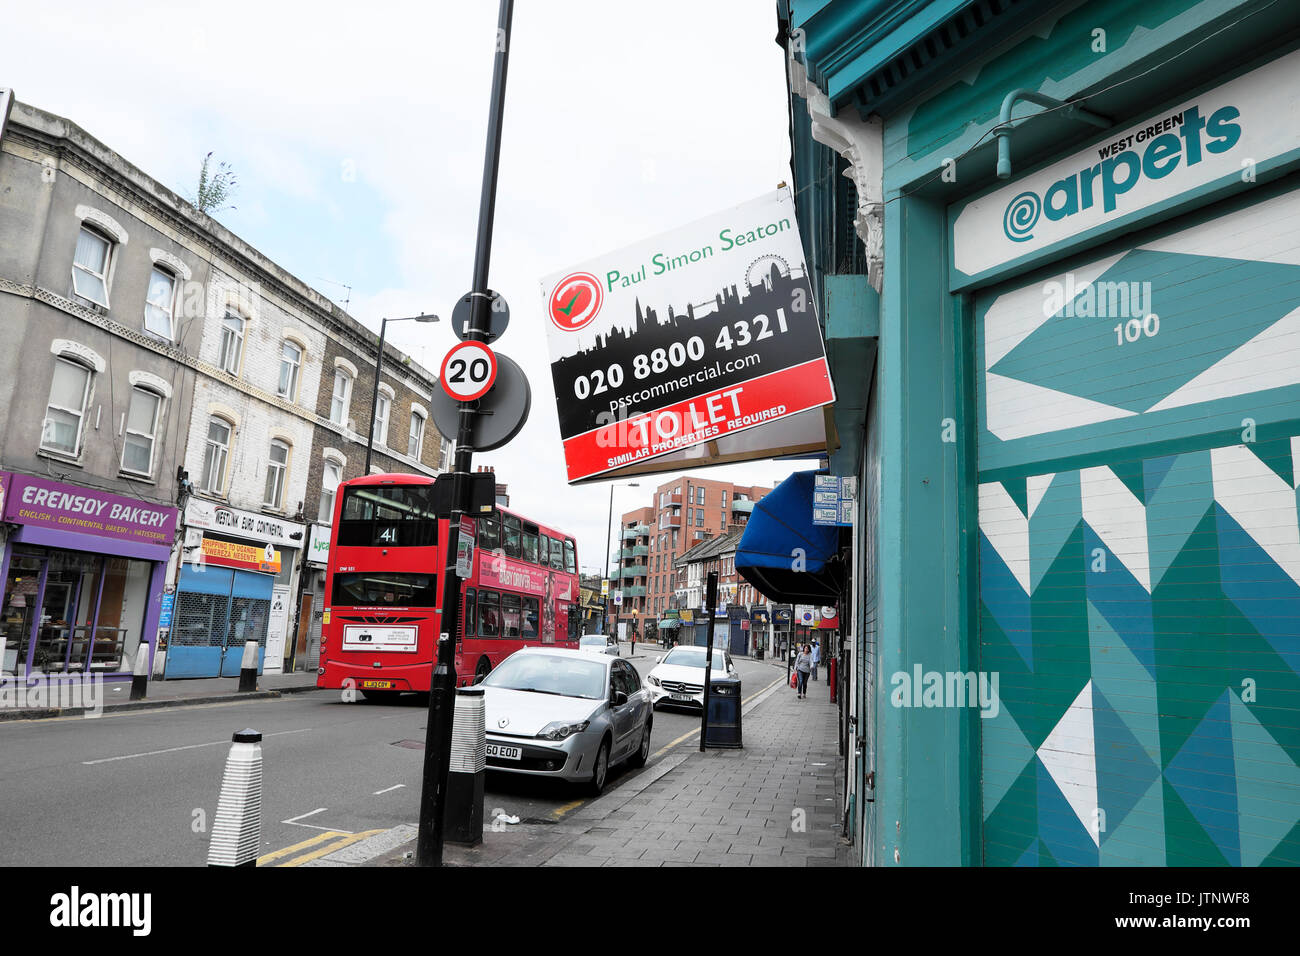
(248, 668)
(463, 815)
(140, 679)
(237, 828)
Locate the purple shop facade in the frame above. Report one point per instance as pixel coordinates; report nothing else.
(45, 513)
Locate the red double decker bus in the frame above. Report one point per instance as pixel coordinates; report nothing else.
(383, 589)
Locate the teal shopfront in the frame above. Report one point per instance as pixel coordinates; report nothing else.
(1079, 443)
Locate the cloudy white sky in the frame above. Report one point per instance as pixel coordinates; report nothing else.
(357, 132)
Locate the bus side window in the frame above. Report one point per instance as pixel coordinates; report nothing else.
(543, 550)
(570, 557)
(469, 623)
(573, 621)
(511, 533)
(530, 619)
(489, 614)
(530, 543)
(557, 554)
(489, 533)
(510, 616)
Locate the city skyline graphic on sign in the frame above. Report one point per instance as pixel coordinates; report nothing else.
(646, 331)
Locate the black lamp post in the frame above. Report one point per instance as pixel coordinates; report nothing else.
(379, 367)
(604, 606)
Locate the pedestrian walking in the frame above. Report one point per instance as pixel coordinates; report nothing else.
(802, 665)
(816, 658)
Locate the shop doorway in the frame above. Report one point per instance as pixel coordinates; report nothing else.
(71, 612)
(217, 611)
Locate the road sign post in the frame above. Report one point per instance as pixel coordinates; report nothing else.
(710, 602)
(442, 688)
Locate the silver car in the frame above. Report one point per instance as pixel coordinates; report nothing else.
(552, 712)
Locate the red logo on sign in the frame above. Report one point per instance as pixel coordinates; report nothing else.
(575, 300)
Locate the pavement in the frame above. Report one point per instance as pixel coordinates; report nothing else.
(171, 693)
(777, 802)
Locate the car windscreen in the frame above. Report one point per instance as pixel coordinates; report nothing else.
(550, 674)
(598, 642)
(693, 657)
(385, 589)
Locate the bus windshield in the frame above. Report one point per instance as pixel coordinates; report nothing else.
(385, 516)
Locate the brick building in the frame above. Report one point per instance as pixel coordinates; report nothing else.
(161, 367)
(405, 441)
(683, 512)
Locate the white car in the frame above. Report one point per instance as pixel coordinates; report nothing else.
(553, 712)
(600, 643)
(678, 678)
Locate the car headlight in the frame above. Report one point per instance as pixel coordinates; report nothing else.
(559, 730)
(654, 680)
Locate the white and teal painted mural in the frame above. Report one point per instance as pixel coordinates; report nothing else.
(1139, 456)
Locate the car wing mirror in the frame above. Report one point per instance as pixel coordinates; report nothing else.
(618, 699)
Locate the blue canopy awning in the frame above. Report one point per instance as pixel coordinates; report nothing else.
(785, 555)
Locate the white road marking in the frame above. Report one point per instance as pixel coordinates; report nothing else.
(390, 789)
(293, 821)
(303, 816)
(171, 750)
(312, 826)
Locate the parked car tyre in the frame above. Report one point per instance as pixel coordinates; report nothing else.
(600, 770)
(639, 758)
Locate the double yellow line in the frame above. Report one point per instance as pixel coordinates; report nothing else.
(324, 843)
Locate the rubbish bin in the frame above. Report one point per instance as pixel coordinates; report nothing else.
(724, 713)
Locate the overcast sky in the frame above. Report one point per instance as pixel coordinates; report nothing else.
(357, 135)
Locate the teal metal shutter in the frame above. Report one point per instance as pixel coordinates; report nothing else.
(1139, 548)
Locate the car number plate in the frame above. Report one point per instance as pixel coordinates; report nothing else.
(377, 685)
(502, 752)
(683, 696)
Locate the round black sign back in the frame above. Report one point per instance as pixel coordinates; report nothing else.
(498, 316)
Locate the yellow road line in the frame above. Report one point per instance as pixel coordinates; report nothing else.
(327, 835)
(567, 808)
(330, 848)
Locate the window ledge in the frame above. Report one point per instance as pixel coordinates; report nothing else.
(61, 457)
(139, 479)
(159, 338)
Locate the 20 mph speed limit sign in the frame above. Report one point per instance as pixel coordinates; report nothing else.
(468, 371)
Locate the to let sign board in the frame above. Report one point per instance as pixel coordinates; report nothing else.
(699, 346)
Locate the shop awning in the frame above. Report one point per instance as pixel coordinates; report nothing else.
(786, 556)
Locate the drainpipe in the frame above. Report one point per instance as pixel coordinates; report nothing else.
(1003, 130)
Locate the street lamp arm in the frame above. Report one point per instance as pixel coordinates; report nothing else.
(379, 368)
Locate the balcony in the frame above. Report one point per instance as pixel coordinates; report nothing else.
(638, 531)
(633, 571)
(637, 551)
(633, 592)
(670, 521)
(743, 505)
(670, 501)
